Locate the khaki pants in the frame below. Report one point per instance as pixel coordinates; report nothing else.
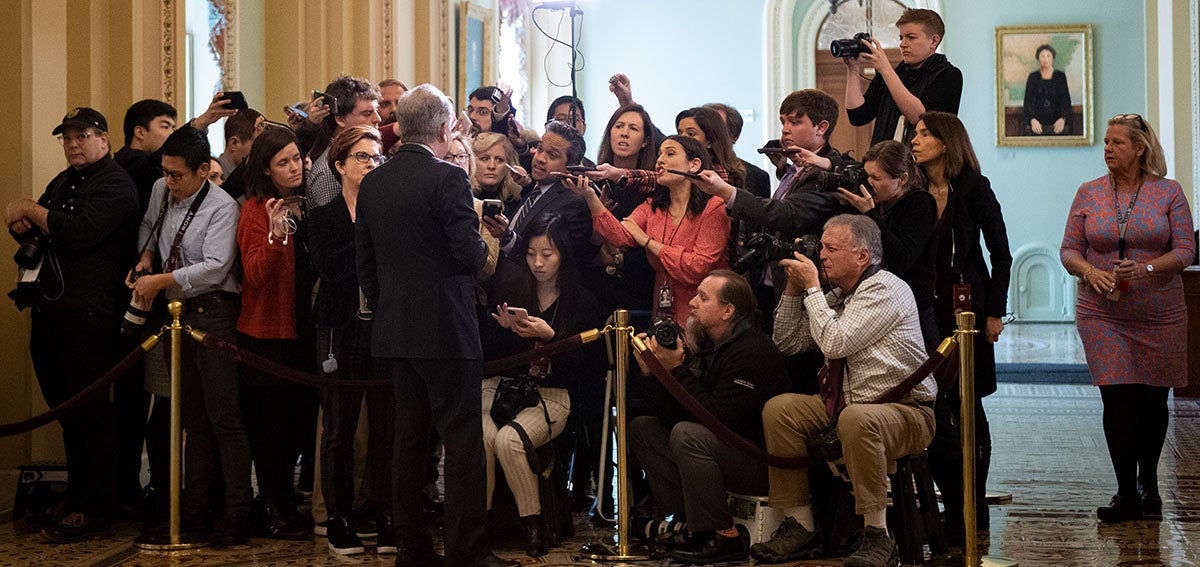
(873, 437)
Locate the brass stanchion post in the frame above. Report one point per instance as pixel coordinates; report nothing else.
(966, 430)
(174, 539)
(624, 551)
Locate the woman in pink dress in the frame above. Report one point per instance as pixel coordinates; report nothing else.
(1128, 236)
(683, 230)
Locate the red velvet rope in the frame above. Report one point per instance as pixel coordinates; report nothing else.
(84, 396)
(495, 367)
(747, 447)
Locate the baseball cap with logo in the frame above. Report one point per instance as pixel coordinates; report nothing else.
(82, 117)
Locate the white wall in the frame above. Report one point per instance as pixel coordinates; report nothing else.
(678, 54)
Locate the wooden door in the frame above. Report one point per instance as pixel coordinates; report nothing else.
(831, 78)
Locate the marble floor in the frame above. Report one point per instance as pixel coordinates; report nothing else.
(1042, 343)
(1049, 453)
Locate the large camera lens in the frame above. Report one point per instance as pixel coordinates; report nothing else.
(666, 333)
(849, 47)
(30, 252)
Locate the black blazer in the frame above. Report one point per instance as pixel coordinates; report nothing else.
(331, 243)
(803, 210)
(556, 200)
(976, 211)
(418, 250)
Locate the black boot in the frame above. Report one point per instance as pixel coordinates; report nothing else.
(536, 542)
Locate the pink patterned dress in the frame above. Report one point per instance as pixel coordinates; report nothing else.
(1142, 338)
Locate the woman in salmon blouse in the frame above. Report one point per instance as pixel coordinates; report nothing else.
(683, 230)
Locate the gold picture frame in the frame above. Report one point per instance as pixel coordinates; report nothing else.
(1024, 93)
(475, 46)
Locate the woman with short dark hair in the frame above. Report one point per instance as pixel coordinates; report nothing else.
(344, 351)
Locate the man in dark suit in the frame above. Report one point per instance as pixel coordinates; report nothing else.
(418, 250)
(561, 146)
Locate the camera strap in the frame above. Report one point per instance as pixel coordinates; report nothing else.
(173, 258)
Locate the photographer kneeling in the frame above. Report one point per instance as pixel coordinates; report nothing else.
(870, 321)
(731, 368)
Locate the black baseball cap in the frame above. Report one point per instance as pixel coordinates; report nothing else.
(82, 117)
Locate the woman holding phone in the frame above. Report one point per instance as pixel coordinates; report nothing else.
(537, 305)
(683, 230)
(496, 173)
(275, 323)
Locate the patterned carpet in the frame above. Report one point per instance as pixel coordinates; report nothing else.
(1049, 453)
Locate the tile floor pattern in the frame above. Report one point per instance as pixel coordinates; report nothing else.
(1049, 453)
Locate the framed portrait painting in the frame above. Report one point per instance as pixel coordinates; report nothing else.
(1044, 85)
(474, 49)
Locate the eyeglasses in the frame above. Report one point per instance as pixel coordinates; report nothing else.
(458, 158)
(364, 157)
(1141, 122)
(65, 139)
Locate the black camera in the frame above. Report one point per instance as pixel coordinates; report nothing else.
(33, 245)
(850, 47)
(848, 177)
(666, 332)
(763, 248)
(512, 396)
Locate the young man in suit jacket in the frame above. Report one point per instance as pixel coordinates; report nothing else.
(418, 250)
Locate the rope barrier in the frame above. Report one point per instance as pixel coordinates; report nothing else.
(747, 447)
(547, 350)
(85, 395)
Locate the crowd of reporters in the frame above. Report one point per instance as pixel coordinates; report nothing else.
(268, 254)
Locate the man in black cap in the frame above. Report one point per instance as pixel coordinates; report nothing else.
(78, 240)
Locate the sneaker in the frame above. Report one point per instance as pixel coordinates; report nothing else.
(385, 542)
(342, 540)
(790, 542)
(321, 528)
(875, 550)
(77, 527)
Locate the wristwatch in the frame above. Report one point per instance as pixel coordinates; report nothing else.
(812, 290)
(1149, 269)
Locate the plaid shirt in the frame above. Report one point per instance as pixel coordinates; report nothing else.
(323, 187)
(875, 328)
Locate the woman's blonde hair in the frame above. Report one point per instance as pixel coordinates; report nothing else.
(509, 189)
(457, 136)
(1153, 160)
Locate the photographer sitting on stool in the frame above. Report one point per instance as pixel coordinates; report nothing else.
(732, 369)
(870, 321)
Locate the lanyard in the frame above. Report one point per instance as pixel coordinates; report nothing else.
(1123, 217)
(174, 257)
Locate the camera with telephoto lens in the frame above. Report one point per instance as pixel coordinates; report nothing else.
(33, 245)
(848, 177)
(666, 332)
(763, 248)
(137, 313)
(850, 47)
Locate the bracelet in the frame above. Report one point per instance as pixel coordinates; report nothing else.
(1087, 272)
(649, 239)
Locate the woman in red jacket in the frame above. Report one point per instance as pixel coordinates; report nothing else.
(683, 230)
(276, 308)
